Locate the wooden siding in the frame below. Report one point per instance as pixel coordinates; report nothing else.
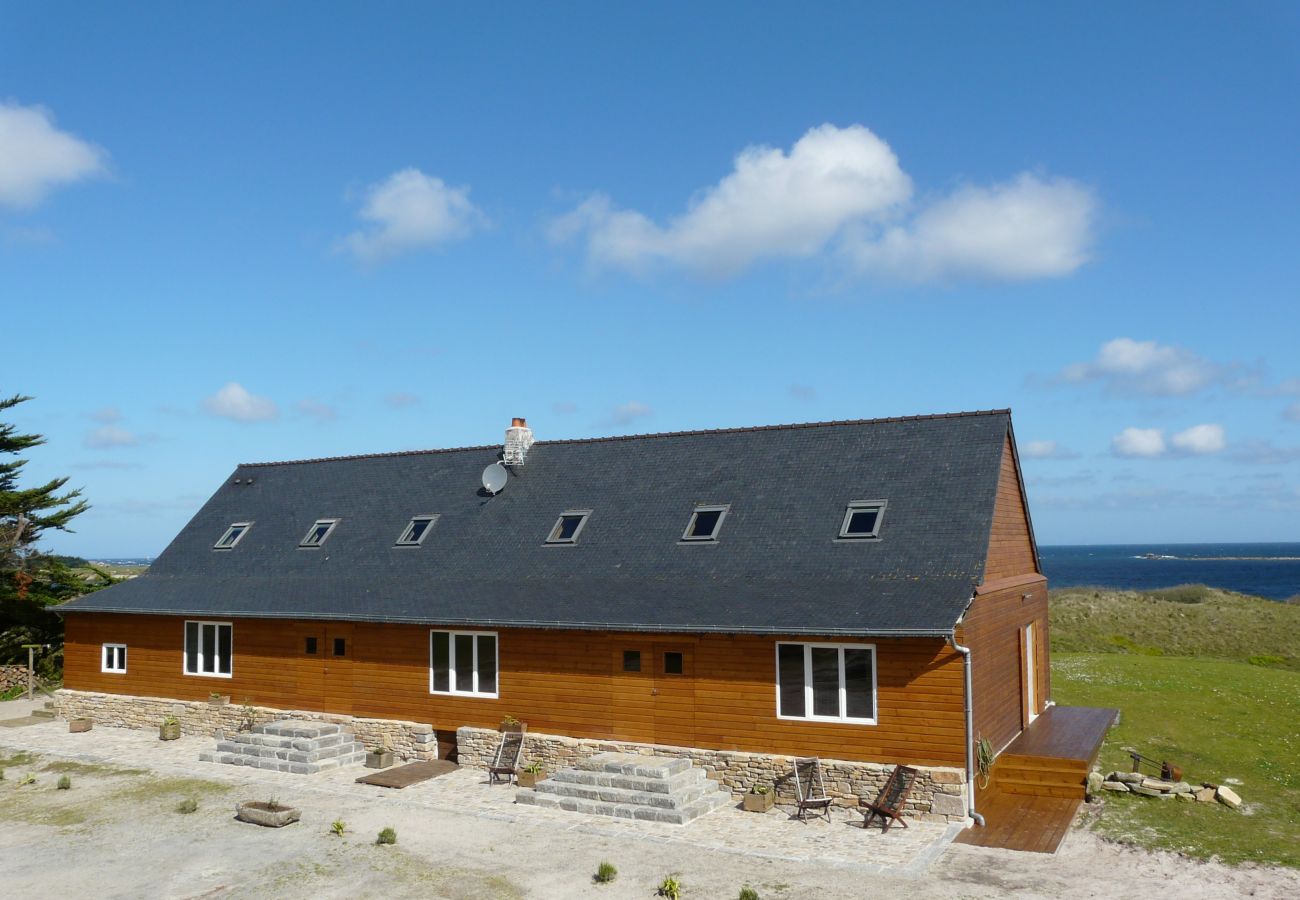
(1011, 548)
(559, 682)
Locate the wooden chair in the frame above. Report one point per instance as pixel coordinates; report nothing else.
(889, 802)
(810, 790)
(505, 764)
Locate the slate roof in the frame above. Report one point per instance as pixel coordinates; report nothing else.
(777, 566)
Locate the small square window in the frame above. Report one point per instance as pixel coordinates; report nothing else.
(232, 535)
(318, 532)
(705, 523)
(415, 532)
(673, 662)
(340, 647)
(631, 660)
(568, 527)
(114, 659)
(310, 647)
(862, 519)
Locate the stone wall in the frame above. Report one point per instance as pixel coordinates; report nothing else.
(12, 675)
(407, 740)
(938, 795)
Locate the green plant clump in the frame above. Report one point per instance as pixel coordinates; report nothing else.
(534, 768)
(188, 805)
(387, 836)
(605, 872)
(29, 778)
(65, 782)
(748, 893)
(759, 789)
(338, 827)
(671, 887)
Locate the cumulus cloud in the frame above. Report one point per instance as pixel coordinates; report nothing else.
(1047, 450)
(1149, 443)
(1027, 228)
(315, 409)
(627, 413)
(1199, 440)
(410, 210)
(1139, 442)
(1145, 367)
(108, 436)
(235, 402)
(844, 187)
(36, 157)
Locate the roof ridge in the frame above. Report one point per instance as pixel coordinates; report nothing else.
(649, 436)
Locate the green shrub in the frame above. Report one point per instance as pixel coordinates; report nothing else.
(337, 827)
(188, 805)
(671, 887)
(387, 836)
(65, 782)
(29, 778)
(748, 893)
(605, 873)
(1183, 593)
(1267, 660)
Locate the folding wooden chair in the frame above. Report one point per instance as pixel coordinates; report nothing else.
(505, 764)
(810, 790)
(889, 802)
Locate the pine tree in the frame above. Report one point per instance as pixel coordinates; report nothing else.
(31, 581)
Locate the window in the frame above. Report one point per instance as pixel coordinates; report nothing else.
(673, 662)
(340, 647)
(208, 649)
(232, 535)
(631, 660)
(318, 532)
(310, 648)
(463, 662)
(415, 531)
(862, 520)
(826, 682)
(114, 658)
(568, 527)
(705, 523)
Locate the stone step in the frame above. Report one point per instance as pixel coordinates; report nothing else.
(678, 799)
(636, 765)
(601, 778)
(42, 714)
(282, 765)
(298, 728)
(289, 754)
(287, 743)
(702, 806)
(296, 746)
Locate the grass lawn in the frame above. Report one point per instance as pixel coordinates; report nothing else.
(1223, 721)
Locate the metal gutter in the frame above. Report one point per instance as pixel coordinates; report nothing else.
(970, 729)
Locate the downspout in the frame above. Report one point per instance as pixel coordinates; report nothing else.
(970, 730)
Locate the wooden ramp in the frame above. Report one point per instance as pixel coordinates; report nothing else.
(412, 773)
(1040, 779)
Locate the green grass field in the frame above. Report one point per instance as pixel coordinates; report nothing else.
(1182, 675)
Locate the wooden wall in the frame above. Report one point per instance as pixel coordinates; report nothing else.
(1011, 548)
(560, 682)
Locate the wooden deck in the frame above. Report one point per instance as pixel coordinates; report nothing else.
(1039, 780)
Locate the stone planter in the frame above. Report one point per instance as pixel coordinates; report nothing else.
(526, 779)
(760, 803)
(380, 759)
(169, 732)
(260, 813)
(78, 725)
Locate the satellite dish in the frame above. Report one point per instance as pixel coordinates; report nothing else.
(495, 477)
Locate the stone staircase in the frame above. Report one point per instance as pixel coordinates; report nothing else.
(630, 786)
(289, 745)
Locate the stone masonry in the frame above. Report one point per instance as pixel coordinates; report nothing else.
(407, 740)
(939, 794)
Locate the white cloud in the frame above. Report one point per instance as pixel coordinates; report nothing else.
(107, 436)
(1199, 440)
(409, 211)
(1292, 412)
(401, 400)
(1047, 450)
(235, 402)
(1024, 229)
(313, 408)
(108, 415)
(36, 157)
(1139, 442)
(627, 413)
(1146, 367)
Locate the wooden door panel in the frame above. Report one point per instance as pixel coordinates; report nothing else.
(338, 654)
(674, 694)
(309, 668)
(632, 693)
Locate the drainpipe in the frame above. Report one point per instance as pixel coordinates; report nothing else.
(970, 730)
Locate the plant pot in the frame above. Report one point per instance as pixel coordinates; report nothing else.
(260, 813)
(381, 760)
(169, 732)
(760, 803)
(220, 700)
(78, 725)
(526, 779)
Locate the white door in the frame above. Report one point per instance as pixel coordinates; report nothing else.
(1031, 670)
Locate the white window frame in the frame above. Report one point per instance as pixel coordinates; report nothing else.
(582, 515)
(808, 684)
(220, 545)
(721, 508)
(103, 659)
(858, 506)
(451, 663)
(198, 668)
(403, 540)
(332, 523)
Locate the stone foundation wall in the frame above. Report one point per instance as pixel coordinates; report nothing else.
(12, 675)
(938, 795)
(407, 740)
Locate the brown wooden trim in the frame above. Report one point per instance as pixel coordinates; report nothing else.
(1002, 584)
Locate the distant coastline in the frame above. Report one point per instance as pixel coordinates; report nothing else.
(1269, 570)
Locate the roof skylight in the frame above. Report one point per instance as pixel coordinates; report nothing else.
(232, 535)
(568, 526)
(862, 519)
(318, 532)
(705, 523)
(415, 532)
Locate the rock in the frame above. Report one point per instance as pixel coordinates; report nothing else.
(1228, 797)
(1205, 795)
(948, 805)
(1144, 791)
(1190, 798)
(1095, 782)
(1115, 786)
(1157, 784)
(1129, 777)
(1181, 787)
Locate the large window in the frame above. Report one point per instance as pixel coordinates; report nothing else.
(826, 682)
(208, 649)
(463, 662)
(113, 658)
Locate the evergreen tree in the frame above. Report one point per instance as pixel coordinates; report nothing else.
(31, 581)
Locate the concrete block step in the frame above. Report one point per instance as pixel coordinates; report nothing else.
(636, 765)
(262, 751)
(682, 816)
(42, 714)
(679, 799)
(298, 728)
(601, 778)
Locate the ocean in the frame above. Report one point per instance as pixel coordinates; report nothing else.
(1265, 570)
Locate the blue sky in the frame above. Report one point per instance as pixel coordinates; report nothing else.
(253, 233)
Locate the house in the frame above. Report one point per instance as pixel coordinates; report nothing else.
(868, 592)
